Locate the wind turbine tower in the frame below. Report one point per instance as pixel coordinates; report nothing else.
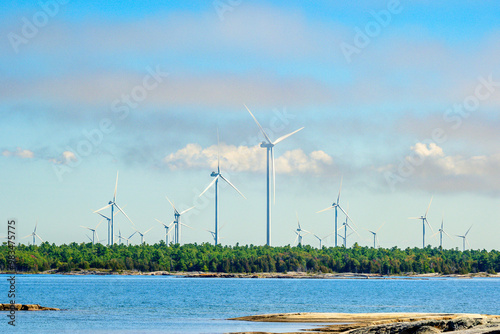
(218, 175)
(464, 237)
(424, 221)
(113, 204)
(268, 144)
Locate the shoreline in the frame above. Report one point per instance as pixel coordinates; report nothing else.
(383, 323)
(288, 275)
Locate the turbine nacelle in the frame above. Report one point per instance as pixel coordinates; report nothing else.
(214, 174)
(266, 145)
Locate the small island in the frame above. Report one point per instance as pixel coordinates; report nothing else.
(26, 307)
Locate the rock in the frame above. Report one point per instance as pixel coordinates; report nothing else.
(427, 330)
(26, 307)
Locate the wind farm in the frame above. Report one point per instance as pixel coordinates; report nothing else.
(168, 166)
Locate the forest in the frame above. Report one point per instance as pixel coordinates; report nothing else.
(248, 259)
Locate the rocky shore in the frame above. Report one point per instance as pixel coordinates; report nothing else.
(26, 307)
(388, 323)
(291, 275)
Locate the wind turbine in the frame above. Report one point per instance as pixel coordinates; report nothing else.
(94, 231)
(177, 222)
(424, 220)
(122, 238)
(375, 237)
(321, 239)
(441, 231)
(33, 234)
(299, 232)
(464, 237)
(336, 206)
(112, 204)
(346, 225)
(142, 234)
(269, 145)
(167, 229)
(217, 175)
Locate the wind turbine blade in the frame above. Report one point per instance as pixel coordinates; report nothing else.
(428, 207)
(429, 225)
(107, 206)
(116, 187)
(89, 238)
(286, 136)
(296, 238)
(298, 223)
(414, 218)
(274, 175)
(211, 184)
(35, 226)
(99, 223)
(239, 192)
(132, 235)
(218, 152)
(103, 216)
(260, 127)
(468, 230)
(130, 220)
(88, 228)
(187, 226)
(96, 235)
(467, 242)
(172, 204)
(183, 212)
(340, 189)
(36, 235)
(331, 207)
(447, 234)
(148, 230)
(29, 235)
(160, 222)
(380, 227)
(347, 216)
(432, 236)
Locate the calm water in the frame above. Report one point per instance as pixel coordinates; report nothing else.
(162, 304)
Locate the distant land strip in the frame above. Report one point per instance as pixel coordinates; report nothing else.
(209, 260)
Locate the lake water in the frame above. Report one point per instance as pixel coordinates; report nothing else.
(164, 304)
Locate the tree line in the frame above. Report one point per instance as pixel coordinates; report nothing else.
(249, 259)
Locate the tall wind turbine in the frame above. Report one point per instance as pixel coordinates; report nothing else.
(375, 236)
(217, 175)
(177, 222)
(299, 232)
(122, 238)
(441, 231)
(112, 204)
(33, 234)
(464, 237)
(336, 206)
(167, 229)
(424, 221)
(269, 145)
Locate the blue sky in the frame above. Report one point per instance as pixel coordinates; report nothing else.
(412, 114)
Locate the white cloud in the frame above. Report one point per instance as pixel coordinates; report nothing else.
(20, 153)
(65, 158)
(247, 159)
(429, 167)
